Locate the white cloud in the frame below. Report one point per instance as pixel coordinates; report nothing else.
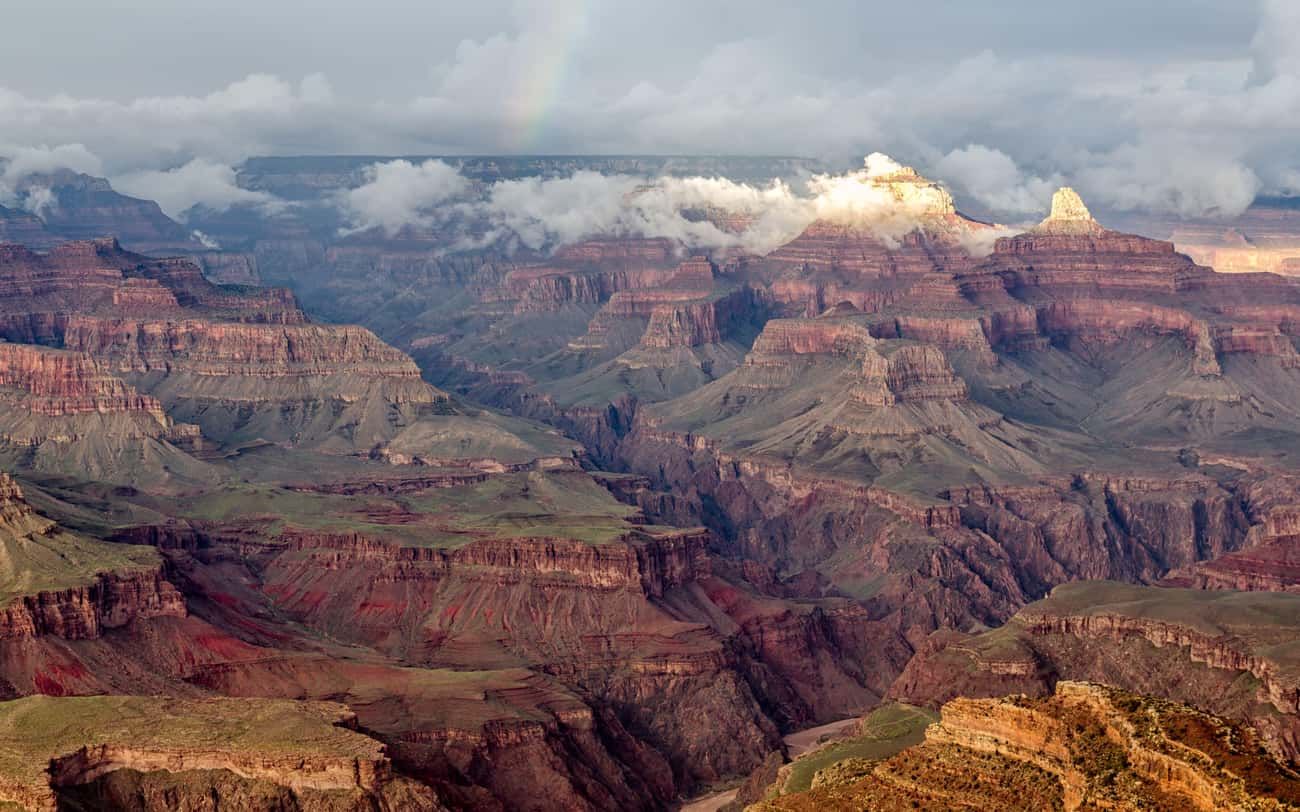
(205, 240)
(992, 177)
(198, 182)
(18, 163)
(1170, 177)
(400, 193)
(39, 200)
(544, 213)
(1001, 120)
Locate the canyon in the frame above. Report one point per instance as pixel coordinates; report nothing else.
(508, 525)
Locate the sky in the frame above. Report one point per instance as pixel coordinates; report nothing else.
(1189, 107)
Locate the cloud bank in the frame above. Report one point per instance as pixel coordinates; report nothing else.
(1190, 112)
(199, 182)
(701, 213)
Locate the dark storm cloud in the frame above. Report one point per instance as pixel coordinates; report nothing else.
(1186, 106)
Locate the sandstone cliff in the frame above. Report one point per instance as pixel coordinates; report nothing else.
(1083, 747)
(1225, 652)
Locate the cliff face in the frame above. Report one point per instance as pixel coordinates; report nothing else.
(98, 276)
(17, 226)
(698, 323)
(584, 273)
(229, 267)
(57, 384)
(57, 584)
(1083, 747)
(78, 613)
(235, 362)
(1270, 560)
(1189, 645)
(155, 753)
(617, 621)
(254, 351)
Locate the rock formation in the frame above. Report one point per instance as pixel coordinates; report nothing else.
(59, 584)
(158, 753)
(1083, 747)
(85, 207)
(1193, 646)
(854, 468)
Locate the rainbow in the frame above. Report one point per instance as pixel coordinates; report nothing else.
(530, 107)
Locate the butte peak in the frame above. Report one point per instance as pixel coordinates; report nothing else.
(1069, 215)
(909, 188)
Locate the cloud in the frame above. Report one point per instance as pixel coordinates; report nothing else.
(19, 163)
(702, 213)
(400, 193)
(991, 177)
(199, 182)
(1000, 112)
(1170, 177)
(257, 114)
(39, 200)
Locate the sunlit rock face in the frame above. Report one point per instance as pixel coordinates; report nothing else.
(1069, 215)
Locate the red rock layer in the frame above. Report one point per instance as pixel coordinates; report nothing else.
(696, 324)
(97, 275)
(108, 600)
(82, 613)
(215, 348)
(55, 383)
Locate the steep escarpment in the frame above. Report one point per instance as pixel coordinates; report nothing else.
(18, 226)
(1064, 530)
(158, 753)
(588, 273)
(1083, 747)
(826, 394)
(66, 414)
(529, 569)
(56, 583)
(589, 614)
(242, 365)
(1269, 560)
(1229, 653)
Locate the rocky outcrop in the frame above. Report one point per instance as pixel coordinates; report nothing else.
(56, 584)
(586, 273)
(241, 363)
(810, 337)
(65, 413)
(619, 621)
(98, 276)
(1224, 652)
(1065, 530)
(649, 565)
(206, 348)
(25, 228)
(85, 612)
(697, 323)
(210, 751)
(910, 227)
(1084, 747)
